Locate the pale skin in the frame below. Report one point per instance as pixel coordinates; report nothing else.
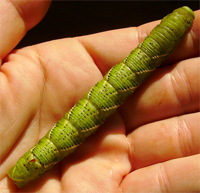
(151, 144)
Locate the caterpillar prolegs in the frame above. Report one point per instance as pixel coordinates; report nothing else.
(103, 99)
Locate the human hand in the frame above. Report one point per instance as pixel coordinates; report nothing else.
(152, 142)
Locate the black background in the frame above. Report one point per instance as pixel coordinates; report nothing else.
(76, 18)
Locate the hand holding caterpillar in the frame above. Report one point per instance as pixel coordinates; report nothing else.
(103, 99)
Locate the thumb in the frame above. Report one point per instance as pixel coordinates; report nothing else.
(17, 17)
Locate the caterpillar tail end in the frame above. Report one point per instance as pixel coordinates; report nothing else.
(12, 174)
(26, 169)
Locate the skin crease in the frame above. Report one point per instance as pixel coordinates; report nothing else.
(150, 145)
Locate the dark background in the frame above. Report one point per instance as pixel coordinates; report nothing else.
(76, 18)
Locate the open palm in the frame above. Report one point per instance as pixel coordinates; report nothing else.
(150, 145)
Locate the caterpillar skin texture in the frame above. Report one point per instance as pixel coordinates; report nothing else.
(103, 99)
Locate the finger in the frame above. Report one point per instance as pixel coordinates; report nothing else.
(170, 91)
(109, 48)
(17, 17)
(164, 140)
(178, 175)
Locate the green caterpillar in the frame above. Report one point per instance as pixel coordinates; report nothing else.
(103, 99)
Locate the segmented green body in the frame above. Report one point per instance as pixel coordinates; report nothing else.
(103, 99)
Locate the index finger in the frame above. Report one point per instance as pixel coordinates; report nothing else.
(109, 48)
